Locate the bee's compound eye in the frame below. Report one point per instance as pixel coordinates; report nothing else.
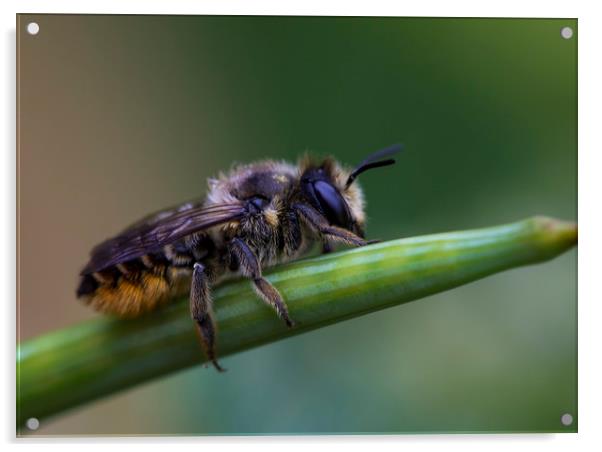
(332, 203)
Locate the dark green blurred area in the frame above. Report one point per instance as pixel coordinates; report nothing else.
(487, 111)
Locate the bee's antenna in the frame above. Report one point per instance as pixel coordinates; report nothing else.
(374, 161)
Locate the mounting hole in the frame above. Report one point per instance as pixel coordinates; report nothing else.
(566, 32)
(33, 28)
(566, 419)
(32, 423)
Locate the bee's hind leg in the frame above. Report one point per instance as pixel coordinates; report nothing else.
(250, 268)
(201, 312)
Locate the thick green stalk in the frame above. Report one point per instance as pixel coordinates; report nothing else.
(69, 367)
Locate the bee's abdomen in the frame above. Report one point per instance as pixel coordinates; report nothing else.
(131, 289)
(135, 287)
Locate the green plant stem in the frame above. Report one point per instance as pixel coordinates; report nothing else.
(69, 367)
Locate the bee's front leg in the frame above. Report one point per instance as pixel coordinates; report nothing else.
(249, 266)
(201, 312)
(316, 221)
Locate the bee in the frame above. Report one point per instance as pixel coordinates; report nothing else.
(255, 216)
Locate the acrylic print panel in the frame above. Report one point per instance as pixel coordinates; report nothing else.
(121, 116)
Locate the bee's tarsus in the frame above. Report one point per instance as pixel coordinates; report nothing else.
(217, 366)
(271, 296)
(206, 332)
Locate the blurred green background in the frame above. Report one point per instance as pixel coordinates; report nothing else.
(123, 115)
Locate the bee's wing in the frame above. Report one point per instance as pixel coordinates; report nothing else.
(151, 236)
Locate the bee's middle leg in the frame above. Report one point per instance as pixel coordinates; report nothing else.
(202, 313)
(250, 268)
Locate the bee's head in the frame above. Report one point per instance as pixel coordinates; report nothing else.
(331, 190)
